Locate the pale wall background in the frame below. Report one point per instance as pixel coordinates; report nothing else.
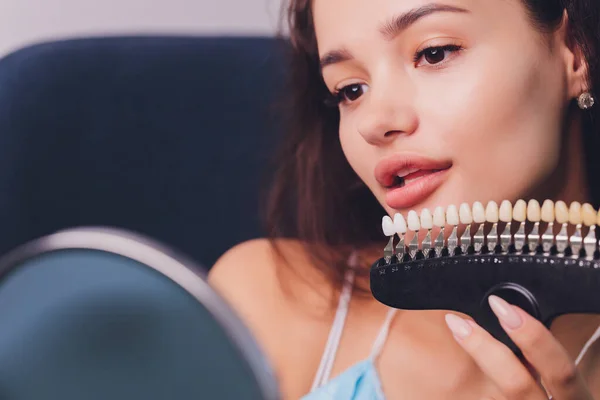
(24, 22)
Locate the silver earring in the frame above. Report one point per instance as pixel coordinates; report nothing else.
(586, 101)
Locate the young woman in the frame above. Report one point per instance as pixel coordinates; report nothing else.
(468, 100)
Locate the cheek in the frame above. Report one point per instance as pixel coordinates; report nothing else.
(502, 125)
(360, 155)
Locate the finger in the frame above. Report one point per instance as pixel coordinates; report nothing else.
(496, 360)
(549, 358)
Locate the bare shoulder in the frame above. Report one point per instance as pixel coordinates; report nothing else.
(260, 267)
(242, 266)
(254, 280)
(246, 277)
(261, 276)
(252, 270)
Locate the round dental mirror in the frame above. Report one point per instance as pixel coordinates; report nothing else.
(102, 314)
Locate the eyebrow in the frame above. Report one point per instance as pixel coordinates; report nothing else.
(393, 28)
(401, 22)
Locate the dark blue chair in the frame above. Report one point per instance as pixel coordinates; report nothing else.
(168, 137)
(96, 314)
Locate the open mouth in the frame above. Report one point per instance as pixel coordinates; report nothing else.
(405, 179)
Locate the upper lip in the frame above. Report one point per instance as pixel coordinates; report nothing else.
(401, 165)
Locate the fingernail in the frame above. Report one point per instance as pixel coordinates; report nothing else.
(505, 312)
(459, 327)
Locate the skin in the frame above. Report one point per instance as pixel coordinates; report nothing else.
(507, 93)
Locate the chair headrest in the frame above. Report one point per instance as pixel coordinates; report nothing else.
(166, 136)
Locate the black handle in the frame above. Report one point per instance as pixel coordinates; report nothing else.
(544, 286)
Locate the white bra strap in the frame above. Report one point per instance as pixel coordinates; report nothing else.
(383, 335)
(335, 334)
(588, 344)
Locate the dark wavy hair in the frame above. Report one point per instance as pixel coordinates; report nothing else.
(316, 197)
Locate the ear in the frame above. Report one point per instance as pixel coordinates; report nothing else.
(576, 65)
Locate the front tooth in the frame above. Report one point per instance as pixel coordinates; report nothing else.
(548, 211)
(505, 211)
(520, 211)
(465, 215)
(478, 213)
(548, 217)
(400, 228)
(492, 216)
(520, 215)
(400, 224)
(534, 214)
(506, 216)
(388, 226)
(388, 230)
(426, 219)
(452, 219)
(413, 221)
(575, 218)
(588, 214)
(404, 174)
(414, 225)
(561, 213)
(491, 212)
(439, 217)
(452, 216)
(589, 220)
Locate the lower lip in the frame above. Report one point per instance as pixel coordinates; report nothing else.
(416, 191)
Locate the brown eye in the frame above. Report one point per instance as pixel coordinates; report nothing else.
(352, 92)
(434, 55)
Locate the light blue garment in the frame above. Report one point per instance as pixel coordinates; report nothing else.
(360, 382)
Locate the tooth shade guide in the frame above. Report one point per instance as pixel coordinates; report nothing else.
(526, 237)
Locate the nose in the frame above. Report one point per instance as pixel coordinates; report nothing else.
(386, 114)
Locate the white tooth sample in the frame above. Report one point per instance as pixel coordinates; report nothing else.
(478, 213)
(548, 211)
(561, 212)
(575, 216)
(426, 219)
(452, 215)
(520, 211)
(588, 214)
(505, 211)
(413, 221)
(388, 226)
(439, 217)
(491, 212)
(465, 215)
(534, 211)
(400, 224)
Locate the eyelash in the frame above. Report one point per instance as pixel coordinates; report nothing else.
(454, 48)
(336, 98)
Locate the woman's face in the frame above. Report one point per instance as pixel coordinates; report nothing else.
(464, 99)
